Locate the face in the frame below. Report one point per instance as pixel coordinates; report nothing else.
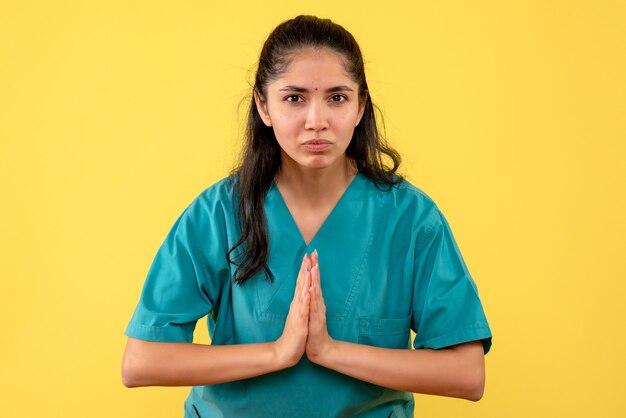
(313, 108)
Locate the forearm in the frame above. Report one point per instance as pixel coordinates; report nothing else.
(186, 364)
(456, 372)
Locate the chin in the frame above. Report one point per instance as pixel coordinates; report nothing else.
(317, 163)
(314, 161)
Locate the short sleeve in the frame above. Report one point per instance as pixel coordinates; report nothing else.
(178, 289)
(446, 306)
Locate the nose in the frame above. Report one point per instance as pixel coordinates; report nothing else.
(316, 118)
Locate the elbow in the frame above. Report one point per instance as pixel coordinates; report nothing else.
(130, 376)
(134, 377)
(128, 381)
(469, 377)
(475, 394)
(133, 369)
(475, 385)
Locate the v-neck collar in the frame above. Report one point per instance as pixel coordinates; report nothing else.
(295, 231)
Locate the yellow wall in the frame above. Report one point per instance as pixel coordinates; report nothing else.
(511, 115)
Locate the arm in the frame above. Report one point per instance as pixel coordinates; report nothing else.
(458, 371)
(147, 363)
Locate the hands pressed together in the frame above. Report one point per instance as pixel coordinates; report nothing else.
(305, 328)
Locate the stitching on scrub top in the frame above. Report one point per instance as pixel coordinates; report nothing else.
(422, 238)
(359, 273)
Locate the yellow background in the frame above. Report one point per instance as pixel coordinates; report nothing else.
(114, 115)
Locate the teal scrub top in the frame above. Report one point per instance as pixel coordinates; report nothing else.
(388, 262)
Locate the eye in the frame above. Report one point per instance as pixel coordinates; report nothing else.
(338, 98)
(293, 98)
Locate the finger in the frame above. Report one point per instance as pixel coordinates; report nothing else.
(312, 309)
(307, 270)
(315, 278)
(318, 290)
(307, 283)
(304, 308)
(319, 297)
(313, 289)
(300, 277)
(300, 305)
(315, 262)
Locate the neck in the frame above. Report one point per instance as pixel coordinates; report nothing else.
(314, 185)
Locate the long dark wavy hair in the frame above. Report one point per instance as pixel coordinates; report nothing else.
(261, 156)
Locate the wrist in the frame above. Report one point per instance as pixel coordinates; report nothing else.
(280, 359)
(325, 356)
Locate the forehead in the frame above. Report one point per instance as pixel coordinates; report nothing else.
(315, 68)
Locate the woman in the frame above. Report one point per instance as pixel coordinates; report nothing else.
(313, 260)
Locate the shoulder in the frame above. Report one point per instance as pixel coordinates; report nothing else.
(406, 206)
(405, 195)
(221, 190)
(407, 190)
(217, 201)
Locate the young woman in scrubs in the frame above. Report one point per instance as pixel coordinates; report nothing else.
(313, 262)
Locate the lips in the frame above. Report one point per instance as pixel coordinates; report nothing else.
(317, 141)
(317, 145)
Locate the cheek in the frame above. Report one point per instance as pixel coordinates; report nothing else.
(285, 128)
(346, 118)
(287, 124)
(346, 122)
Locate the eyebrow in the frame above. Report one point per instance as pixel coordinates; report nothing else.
(303, 90)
